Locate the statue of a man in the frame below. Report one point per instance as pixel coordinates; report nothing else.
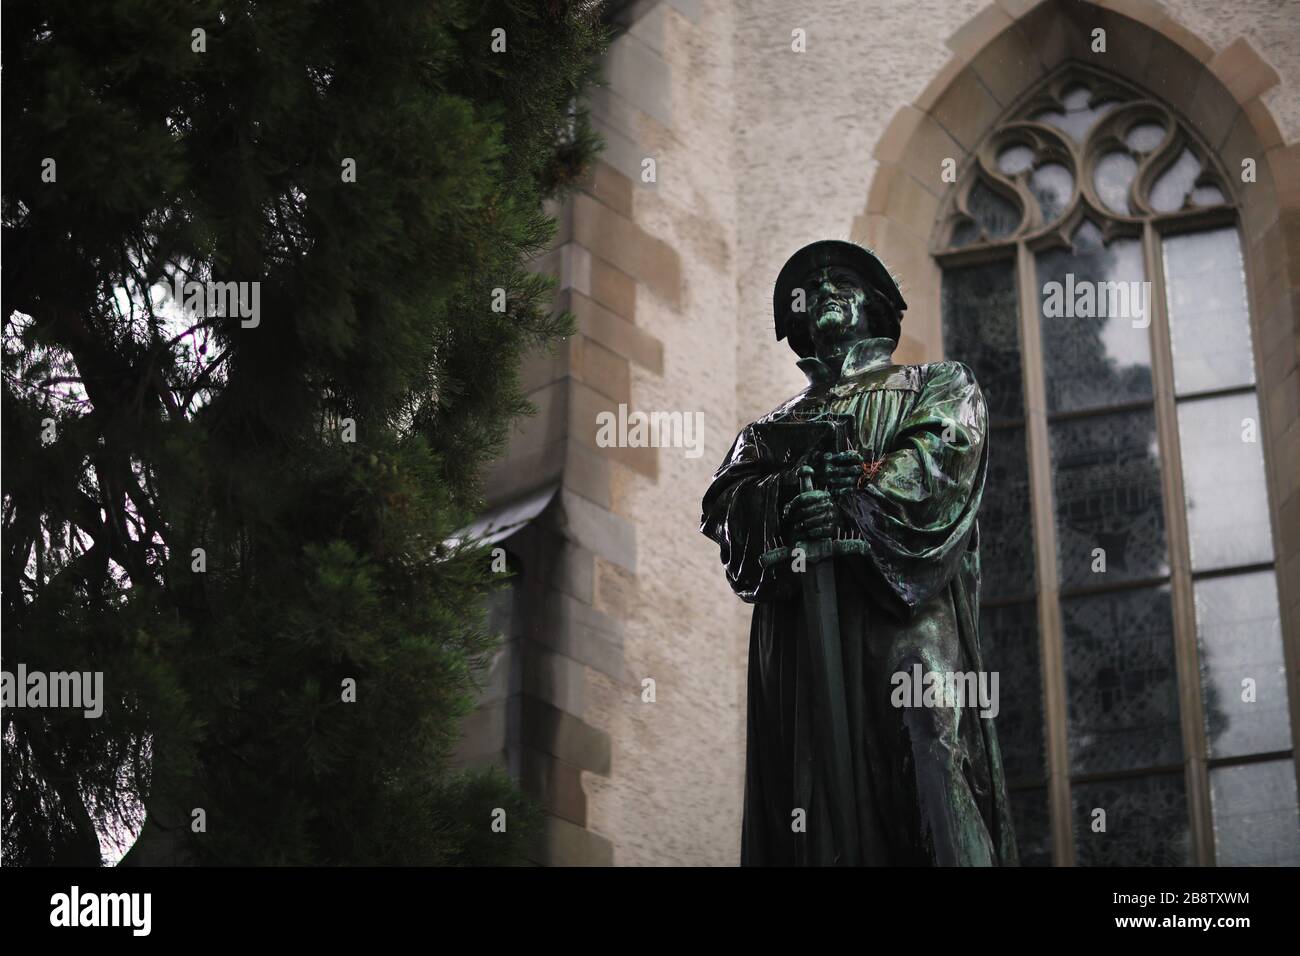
(847, 518)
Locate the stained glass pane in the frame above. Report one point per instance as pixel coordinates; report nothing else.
(1106, 482)
(1145, 137)
(1077, 117)
(1112, 177)
(1145, 822)
(1076, 97)
(964, 233)
(1053, 186)
(1009, 643)
(1223, 481)
(1094, 311)
(1032, 822)
(1122, 703)
(1239, 629)
(1006, 526)
(1209, 324)
(1173, 185)
(997, 214)
(1255, 820)
(1121, 683)
(981, 328)
(1207, 196)
(1015, 159)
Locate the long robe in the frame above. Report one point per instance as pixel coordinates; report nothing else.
(928, 781)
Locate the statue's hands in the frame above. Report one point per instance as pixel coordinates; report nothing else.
(810, 515)
(839, 471)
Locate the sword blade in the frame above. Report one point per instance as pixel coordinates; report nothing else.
(822, 616)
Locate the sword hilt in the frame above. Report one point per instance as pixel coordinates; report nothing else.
(805, 478)
(814, 551)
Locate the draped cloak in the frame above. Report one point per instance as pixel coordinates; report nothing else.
(928, 781)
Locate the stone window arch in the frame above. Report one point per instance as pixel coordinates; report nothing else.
(1093, 276)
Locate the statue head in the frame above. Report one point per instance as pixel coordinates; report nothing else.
(831, 295)
(843, 309)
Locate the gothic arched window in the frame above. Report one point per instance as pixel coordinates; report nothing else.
(1093, 279)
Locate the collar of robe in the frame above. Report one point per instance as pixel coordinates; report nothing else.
(865, 356)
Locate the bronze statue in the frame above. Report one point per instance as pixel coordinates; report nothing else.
(847, 517)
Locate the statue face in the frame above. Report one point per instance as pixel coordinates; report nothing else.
(836, 310)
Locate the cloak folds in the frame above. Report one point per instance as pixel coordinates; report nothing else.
(928, 782)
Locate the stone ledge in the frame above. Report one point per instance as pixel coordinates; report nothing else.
(585, 408)
(565, 736)
(549, 422)
(1148, 12)
(1007, 66)
(966, 110)
(1242, 71)
(555, 784)
(483, 736)
(555, 679)
(914, 138)
(627, 246)
(523, 471)
(1188, 41)
(1281, 400)
(1261, 120)
(573, 573)
(1168, 75)
(597, 367)
(1284, 166)
(607, 185)
(936, 87)
(978, 32)
(1217, 112)
(1018, 8)
(600, 530)
(913, 206)
(640, 75)
(577, 630)
(588, 474)
(612, 288)
(619, 336)
(568, 845)
(1048, 31)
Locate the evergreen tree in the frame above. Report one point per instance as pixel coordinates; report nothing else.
(235, 506)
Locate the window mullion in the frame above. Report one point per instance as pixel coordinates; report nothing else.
(1186, 651)
(1049, 610)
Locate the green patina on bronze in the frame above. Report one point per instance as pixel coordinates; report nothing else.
(847, 516)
